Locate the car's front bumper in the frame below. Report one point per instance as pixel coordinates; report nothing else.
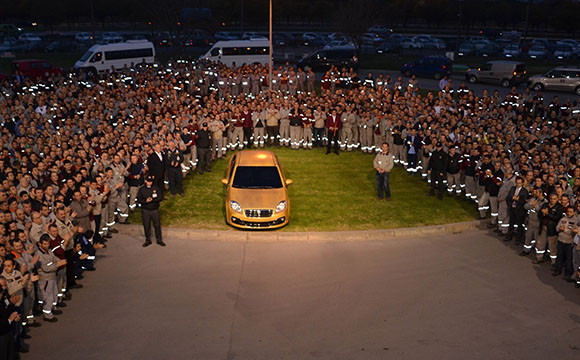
(241, 221)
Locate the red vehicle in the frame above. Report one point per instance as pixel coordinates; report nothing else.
(36, 68)
(3, 77)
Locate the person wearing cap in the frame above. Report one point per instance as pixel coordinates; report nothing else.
(436, 169)
(174, 174)
(149, 197)
(203, 140)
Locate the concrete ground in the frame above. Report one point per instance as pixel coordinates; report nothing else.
(463, 296)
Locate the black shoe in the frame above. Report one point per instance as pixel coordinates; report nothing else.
(507, 239)
(24, 348)
(146, 243)
(497, 231)
(108, 236)
(182, 194)
(76, 286)
(61, 305)
(34, 324)
(90, 269)
(51, 320)
(208, 170)
(126, 222)
(336, 152)
(328, 152)
(536, 261)
(25, 336)
(161, 243)
(57, 312)
(491, 226)
(518, 242)
(525, 253)
(431, 194)
(200, 172)
(568, 279)
(114, 231)
(556, 273)
(67, 296)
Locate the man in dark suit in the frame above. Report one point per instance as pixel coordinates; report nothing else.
(333, 124)
(156, 164)
(516, 199)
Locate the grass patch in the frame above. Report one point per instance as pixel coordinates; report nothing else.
(329, 193)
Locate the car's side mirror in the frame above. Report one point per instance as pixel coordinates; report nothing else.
(289, 182)
(225, 181)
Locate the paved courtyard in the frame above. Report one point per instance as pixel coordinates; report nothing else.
(464, 296)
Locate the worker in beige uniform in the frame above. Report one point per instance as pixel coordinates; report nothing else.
(383, 164)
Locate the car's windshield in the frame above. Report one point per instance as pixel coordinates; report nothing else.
(86, 56)
(257, 177)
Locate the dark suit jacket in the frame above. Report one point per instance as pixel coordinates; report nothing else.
(156, 166)
(523, 197)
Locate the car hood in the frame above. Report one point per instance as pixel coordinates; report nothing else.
(257, 198)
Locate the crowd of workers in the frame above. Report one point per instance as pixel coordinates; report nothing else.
(76, 149)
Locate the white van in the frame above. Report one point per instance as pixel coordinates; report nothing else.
(107, 56)
(239, 52)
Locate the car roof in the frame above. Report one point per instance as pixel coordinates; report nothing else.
(28, 61)
(567, 67)
(256, 158)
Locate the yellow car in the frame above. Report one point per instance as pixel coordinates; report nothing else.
(256, 194)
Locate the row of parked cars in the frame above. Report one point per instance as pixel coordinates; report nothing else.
(500, 72)
(534, 49)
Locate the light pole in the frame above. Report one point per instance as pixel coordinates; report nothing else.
(271, 48)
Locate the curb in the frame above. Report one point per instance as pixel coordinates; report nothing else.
(309, 236)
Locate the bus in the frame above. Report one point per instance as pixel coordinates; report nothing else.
(116, 56)
(239, 52)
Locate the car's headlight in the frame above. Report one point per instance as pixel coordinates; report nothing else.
(281, 206)
(235, 206)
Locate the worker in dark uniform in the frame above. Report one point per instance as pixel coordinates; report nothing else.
(437, 165)
(174, 174)
(149, 197)
(203, 140)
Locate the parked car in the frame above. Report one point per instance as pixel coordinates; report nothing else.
(256, 191)
(571, 42)
(84, 37)
(381, 30)
(563, 78)
(398, 39)
(543, 42)
(29, 37)
(371, 39)
(504, 72)
(340, 44)
(198, 37)
(512, 51)
(429, 66)
(387, 47)
(16, 46)
(313, 39)
(162, 39)
(322, 60)
(36, 68)
(490, 49)
(538, 52)
(10, 30)
(60, 46)
(466, 49)
(225, 35)
(111, 37)
(412, 43)
(564, 51)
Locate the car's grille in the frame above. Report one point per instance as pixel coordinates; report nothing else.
(256, 224)
(258, 213)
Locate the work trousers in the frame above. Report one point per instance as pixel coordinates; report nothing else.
(503, 217)
(285, 133)
(470, 188)
(259, 136)
(133, 190)
(204, 160)
(175, 178)
(248, 137)
(273, 135)
(70, 267)
(398, 154)
(60, 283)
(550, 241)
(318, 135)
(383, 184)
(295, 137)
(532, 234)
(564, 260)
(48, 292)
(454, 184)
(307, 137)
(346, 140)
(148, 217)
(237, 138)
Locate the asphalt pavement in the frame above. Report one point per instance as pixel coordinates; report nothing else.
(462, 296)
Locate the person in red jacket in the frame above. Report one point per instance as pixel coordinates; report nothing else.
(333, 124)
